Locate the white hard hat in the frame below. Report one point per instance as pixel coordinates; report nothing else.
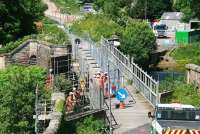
(70, 93)
(74, 89)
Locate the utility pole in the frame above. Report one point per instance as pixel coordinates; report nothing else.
(109, 97)
(36, 109)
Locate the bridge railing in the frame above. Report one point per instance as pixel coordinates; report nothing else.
(105, 53)
(144, 83)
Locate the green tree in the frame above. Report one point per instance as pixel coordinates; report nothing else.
(17, 97)
(190, 8)
(90, 125)
(135, 9)
(154, 9)
(138, 41)
(96, 26)
(17, 18)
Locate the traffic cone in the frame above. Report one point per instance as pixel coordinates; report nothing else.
(121, 105)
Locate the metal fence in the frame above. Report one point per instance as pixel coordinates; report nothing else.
(123, 68)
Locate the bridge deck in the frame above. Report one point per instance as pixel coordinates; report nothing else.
(133, 119)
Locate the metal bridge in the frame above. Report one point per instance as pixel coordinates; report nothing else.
(120, 67)
(92, 57)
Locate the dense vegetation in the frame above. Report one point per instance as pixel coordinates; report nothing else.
(18, 17)
(117, 9)
(96, 26)
(52, 34)
(68, 6)
(138, 41)
(182, 92)
(49, 33)
(190, 8)
(187, 54)
(62, 84)
(17, 97)
(136, 9)
(89, 125)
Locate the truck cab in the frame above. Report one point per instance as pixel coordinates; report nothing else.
(160, 30)
(175, 119)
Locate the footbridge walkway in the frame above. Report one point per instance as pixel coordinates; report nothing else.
(143, 92)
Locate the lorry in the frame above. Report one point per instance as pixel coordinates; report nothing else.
(175, 119)
(160, 30)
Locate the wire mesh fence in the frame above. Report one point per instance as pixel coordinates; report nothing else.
(122, 68)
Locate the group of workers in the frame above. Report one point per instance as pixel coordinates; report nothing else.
(102, 77)
(73, 99)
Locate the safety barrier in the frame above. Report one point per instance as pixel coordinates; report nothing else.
(106, 54)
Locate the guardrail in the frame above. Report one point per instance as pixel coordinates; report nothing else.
(144, 83)
(105, 53)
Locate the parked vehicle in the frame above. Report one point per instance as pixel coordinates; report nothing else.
(175, 119)
(88, 8)
(160, 30)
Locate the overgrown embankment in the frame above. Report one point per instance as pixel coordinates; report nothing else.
(96, 26)
(181, 92)
(47, 31)
(68, 6)
(187, 54)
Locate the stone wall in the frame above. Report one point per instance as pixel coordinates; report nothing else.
(43, 52)
(56, 117)
(193, 74)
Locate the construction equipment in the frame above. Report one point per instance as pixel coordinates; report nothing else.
(175, 119)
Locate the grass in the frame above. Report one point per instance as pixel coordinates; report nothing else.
(96, 26)
(52, 34)
(49, 33)
(182, 92)
(187, 54)
(59, 106)
(68, 6)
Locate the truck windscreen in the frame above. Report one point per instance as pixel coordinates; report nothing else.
(160, 27)
(178, 115)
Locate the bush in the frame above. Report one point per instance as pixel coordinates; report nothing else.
(59, 106)
(182, 93)
(14, 44)
(62, 84)
(90, 125)
(17, 97)
(169, 84)
(96, 26)
(138, 41)
(187, 54)
(52, 34)
(49, 33)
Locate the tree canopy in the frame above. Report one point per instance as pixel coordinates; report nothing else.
(134, 9)
(190, 8)
(96, 26)
(154, 9)
(17, 97)
(138, 41)
(17, 18)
